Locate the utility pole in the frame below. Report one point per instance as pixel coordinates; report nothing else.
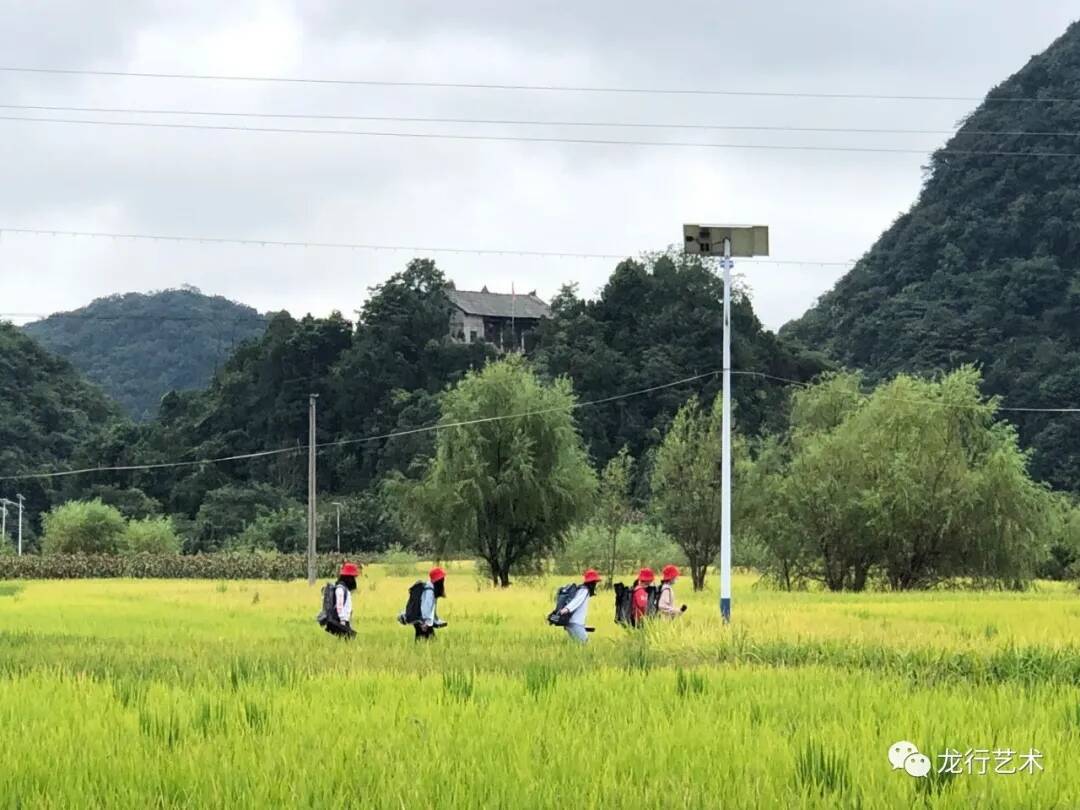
(337, 506)
(3, 518)
(311, 490)
(20, 500)
(726, 241)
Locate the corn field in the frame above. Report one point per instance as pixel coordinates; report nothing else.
(196, 693)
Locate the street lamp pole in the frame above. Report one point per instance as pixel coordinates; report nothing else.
(338, 506)
(20, 499)
(726, 241)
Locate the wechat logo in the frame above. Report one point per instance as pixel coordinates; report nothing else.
(905, 756)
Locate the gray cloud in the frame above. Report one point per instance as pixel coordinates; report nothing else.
(563, 197)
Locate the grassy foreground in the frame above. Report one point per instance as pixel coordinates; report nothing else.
(204, 694)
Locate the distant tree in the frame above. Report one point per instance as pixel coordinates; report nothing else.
(613, 506)
(154, 535)
(86, 527)
(226, 512)
(283, 530)
(133, 503)
(686, 485)
(506, 489)
(917, 483)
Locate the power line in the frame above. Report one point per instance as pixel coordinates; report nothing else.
(542, 139)
(531, 122)
(215, 240)
(545, 88)
(344, 442)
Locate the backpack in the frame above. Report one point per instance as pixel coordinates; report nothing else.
(328, 614)
(411, 614)
(653, 608)
(623, 597)
(562, 599)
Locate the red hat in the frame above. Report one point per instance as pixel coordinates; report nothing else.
(436, 574)
(670, 572)
(646, 575)
(349, 570)
(591, 576)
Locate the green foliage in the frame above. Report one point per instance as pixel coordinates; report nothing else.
(47, 412)
(139, 347)
(505, 490)
(368, 523)
(151, 536)
(133, 504)
(399, 562)
(983, 269)
(638, 544)
(87, 527)
(226, 512)
(686, 485)
(656, 321)
(613, 507)
(220, 566)
(283, 530)
(917, 483)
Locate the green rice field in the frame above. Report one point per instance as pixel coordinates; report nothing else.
(126, 693)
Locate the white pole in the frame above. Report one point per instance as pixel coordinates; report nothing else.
(725, 453)
(20, 498)
(3, 520)
(337, 506)
(311, 490)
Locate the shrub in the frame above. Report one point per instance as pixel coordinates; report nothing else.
(639, 545)
(284, 530)
(399, 562)
(152, 536)
(166, 566)
(87, 527)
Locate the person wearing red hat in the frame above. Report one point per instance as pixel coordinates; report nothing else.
(577, 609)
(434, 589)
(343, 588)
(666, 605)
(639, 600)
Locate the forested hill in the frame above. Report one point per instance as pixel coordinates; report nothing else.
(138, 347)
(985, 267)
(47, 410)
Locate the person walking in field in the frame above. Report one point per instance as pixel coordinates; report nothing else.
(641, 596)
(336, 617)
(577, 609)
(420, 611)
(666, 603)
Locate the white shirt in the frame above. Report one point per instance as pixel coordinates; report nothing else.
(343, 603)
(578, 607)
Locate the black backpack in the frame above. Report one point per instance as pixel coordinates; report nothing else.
(411, 614)
(623, 596)
(328, 614)
(562, 599)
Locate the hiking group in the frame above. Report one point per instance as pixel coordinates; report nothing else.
(420, 609)
(634, 605)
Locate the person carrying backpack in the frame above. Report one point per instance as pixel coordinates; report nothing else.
(336, 615)
(641, 597)
(577, 609)
(666, 604)
(420, 609)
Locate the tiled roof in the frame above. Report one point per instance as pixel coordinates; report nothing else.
(498, 305)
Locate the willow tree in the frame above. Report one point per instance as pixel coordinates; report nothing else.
(686, 485)
(510, 474)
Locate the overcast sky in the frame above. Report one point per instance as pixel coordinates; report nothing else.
(820, 206)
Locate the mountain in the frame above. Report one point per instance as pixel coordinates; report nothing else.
(47, 412)
(985, 266)
(138, 347)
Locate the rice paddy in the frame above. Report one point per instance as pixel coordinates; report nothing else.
(128, 693)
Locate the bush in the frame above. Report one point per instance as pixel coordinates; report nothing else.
(152, 536)
(399, 562)
(284, 530)
(86, 527)
(638, 545)
(166, 566)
